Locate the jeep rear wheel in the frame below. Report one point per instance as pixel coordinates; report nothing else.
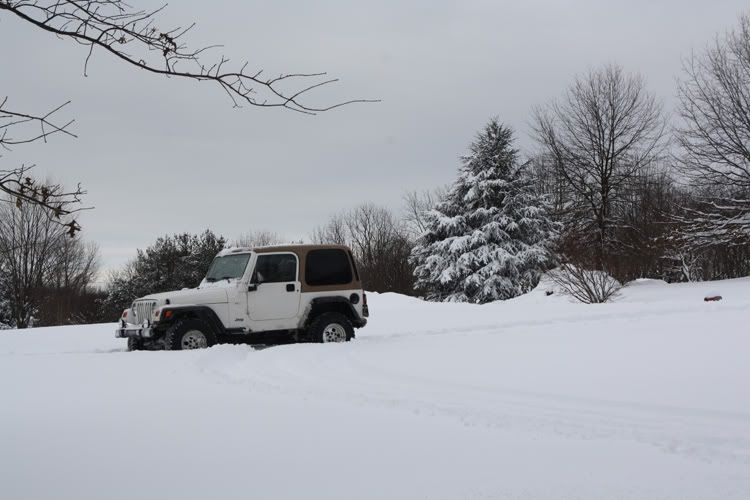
(331, 327)
(189, 334)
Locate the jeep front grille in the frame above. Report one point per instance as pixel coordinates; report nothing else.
(143, 310)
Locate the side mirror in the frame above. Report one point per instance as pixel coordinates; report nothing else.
(252, 287)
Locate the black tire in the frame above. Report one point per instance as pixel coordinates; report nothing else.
(316, 332)
(175, 339)
(135, 344)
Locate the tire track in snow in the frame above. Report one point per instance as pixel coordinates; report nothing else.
(337, 373)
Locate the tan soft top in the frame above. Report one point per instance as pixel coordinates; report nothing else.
(301, 251)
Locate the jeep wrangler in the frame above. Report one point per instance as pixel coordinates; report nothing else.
(275, 294)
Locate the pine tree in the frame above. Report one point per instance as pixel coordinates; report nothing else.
(173, 262)
(490, 238)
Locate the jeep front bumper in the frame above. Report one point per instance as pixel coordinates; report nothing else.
(128, 330)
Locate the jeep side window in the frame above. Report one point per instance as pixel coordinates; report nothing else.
(276, 268)
(328, 266)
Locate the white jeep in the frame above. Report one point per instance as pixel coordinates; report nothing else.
(295, 293)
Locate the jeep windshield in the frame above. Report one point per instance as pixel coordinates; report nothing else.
(227, 267)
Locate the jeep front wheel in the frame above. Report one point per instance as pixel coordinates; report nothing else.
(135, 344)
(331, 327)
(189, 334)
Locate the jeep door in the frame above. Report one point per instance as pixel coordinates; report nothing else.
(275, 288)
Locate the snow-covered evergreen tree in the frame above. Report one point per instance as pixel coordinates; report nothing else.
(490, 238)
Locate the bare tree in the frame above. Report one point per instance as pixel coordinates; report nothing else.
(76, 264)
(416, 205)
(548, 180)
(371, 230)
(335, 231)
(66, 292)
(686, 264)
(136, 38)
(715, 135)
(606, 129)
(259, 238)
(34, 255)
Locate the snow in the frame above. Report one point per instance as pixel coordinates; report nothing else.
(533, 398)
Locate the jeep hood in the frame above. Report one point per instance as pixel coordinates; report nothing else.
(202, 296)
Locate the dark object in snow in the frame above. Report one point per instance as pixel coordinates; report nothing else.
(549, 292)
(712, 298)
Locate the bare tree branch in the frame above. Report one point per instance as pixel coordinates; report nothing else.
(30, 128)
(59, 204)
(134, 37)
(18, 128)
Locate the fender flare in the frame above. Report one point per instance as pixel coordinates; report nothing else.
(204, 313)
(340, 304)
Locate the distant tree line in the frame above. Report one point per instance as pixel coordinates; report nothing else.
(613, 192)
(638, 198)
(632, 195)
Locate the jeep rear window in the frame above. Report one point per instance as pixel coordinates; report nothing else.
(328, 266)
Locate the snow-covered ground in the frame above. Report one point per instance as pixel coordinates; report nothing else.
(534, 398)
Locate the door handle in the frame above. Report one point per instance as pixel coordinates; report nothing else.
(290, 287)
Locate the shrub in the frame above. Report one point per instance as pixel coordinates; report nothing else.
(585, 285)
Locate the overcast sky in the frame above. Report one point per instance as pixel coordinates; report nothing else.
(163, 156)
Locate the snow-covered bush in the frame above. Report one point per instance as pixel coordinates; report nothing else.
(585, 285)
(491, 236)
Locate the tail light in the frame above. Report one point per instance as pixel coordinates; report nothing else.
(365, 309)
